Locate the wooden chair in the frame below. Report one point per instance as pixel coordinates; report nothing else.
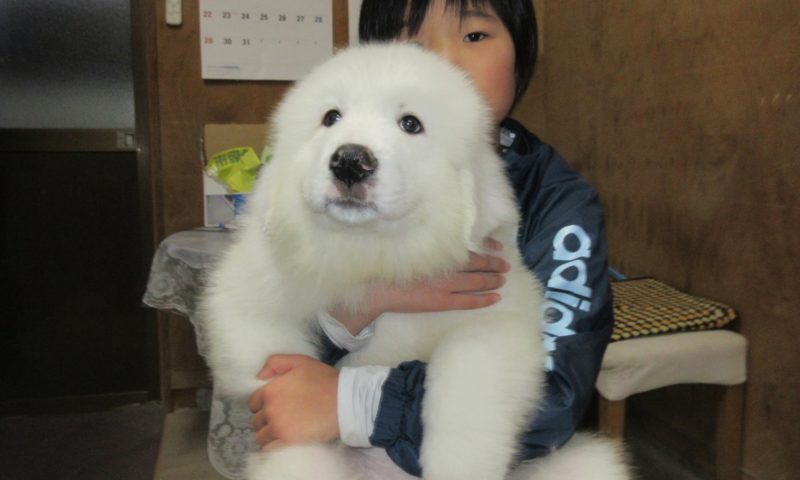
(644, 362)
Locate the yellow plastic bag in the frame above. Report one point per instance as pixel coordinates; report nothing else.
(236, 168)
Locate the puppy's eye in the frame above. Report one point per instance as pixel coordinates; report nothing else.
(411, 124)
(331, 117)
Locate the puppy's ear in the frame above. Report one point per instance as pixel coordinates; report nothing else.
(490, 202)
(469, 199)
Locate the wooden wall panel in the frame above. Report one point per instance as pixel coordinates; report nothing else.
(686, 117)
(187, 102)
(181, 103)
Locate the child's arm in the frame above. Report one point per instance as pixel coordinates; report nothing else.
(468, 289)
(343, 329)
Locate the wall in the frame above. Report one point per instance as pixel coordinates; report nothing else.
(686, 117)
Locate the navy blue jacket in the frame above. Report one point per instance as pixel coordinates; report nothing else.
(562, 241)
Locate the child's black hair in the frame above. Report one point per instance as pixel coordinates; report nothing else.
(383, 20)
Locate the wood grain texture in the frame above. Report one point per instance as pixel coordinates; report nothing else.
(187, 102)
(181, 103)
(686, 117)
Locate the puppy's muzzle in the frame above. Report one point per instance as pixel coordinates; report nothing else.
(353, 163)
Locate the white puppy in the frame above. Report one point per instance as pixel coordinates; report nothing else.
(384, 170)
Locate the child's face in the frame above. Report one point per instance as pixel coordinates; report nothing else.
(478, 43)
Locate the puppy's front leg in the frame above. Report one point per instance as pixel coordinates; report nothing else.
(483, 381)
(301, 462)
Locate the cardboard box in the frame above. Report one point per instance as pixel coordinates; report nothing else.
(219, 205)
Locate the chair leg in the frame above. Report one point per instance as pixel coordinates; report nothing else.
(612, 417)
(729, 433)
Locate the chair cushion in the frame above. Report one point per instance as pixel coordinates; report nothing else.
(642, 364)
(645, 306)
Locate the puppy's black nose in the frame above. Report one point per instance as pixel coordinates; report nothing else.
(353, 163)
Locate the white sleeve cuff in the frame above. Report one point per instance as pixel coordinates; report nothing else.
(359, 396)
(340, 336)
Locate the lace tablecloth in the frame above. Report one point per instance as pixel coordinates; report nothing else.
(176, 278)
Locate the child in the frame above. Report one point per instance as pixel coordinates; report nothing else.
(561, 238)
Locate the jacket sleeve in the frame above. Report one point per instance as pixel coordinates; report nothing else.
(562, 241)
(328, 352)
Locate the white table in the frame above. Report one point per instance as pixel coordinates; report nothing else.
(176, 279)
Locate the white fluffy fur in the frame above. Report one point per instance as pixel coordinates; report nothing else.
(433, 198)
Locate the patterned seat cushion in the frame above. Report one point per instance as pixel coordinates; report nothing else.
(645, 306)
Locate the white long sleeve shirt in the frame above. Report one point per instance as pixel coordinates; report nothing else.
(359, 390)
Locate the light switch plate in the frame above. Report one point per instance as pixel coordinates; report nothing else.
(174, 13)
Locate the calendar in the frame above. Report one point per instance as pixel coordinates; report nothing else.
(264, 40)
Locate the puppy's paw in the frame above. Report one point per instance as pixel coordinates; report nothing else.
(300, 462)
(584, 456)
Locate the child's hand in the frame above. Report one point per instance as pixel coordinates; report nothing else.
(468, 289)
(298, 405)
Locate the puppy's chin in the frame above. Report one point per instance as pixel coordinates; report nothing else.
(349, 211)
